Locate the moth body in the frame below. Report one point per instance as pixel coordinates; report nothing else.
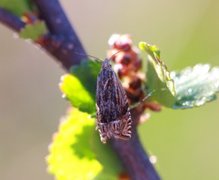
(113, 115)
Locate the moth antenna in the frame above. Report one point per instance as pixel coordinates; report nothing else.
(142, 100)
(145, 98)
(87, 55)
(96, 58)
(115, 54)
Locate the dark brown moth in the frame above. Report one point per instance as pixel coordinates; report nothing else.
(113, 114)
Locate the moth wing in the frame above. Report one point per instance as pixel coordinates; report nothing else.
(122, 100)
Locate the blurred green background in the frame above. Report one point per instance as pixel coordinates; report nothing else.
(185, 142)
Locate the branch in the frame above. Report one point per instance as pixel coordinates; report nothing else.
(133, 156)
(52, 13)
(63, 42)
(10, 20)
(135, 159)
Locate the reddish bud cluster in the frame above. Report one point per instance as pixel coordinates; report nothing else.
(127, 65)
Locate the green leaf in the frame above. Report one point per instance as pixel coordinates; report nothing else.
(75, 92)
(79, 87)
(159, 82)
(189, 88)
(87, 73)
(33, 31)
(108, 159)
(76, 151)
(17, 7)
(195, 85)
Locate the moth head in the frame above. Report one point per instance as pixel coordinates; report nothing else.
(106, 64)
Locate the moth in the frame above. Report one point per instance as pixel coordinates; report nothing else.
(113, 114)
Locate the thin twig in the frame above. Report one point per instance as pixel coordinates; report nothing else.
(10, 20)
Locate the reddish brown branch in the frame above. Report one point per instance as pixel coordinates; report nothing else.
(63, 42)
(135, 159)
(133, 156)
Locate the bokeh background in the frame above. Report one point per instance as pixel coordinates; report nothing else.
(185, 142)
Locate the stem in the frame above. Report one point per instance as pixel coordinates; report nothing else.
(52, 13)
(135, 159)
(10, 20)
(132, 154)
(68, 49)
